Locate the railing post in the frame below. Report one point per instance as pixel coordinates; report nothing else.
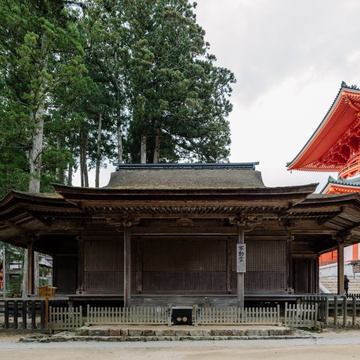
(15, 314)
(278, 314)
(51, 317)
(326, 318)
(353, 310)
(316, 314)
(44, 314)
(336, 309)
(6, 314)
(24, 314)
(345, 310)
(194, 315)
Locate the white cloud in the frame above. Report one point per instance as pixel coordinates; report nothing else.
(289, 58)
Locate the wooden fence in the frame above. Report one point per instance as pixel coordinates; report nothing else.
(295, 316)
(130, 315)
(235, 315)
(301, 315)
(330, 311)
(22, 314)
(61, 318)
(336, 310)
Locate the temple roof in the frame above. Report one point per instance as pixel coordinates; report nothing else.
(186, 176)
(334, 145)
(146, 195)
(341, 186)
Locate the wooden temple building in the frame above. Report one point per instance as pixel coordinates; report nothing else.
(335, 147)
(181, 234)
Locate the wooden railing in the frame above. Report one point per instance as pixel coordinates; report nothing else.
(336, 310)
(235, 315)
(20, 314)
(295, 316)
(330, 311)
(301, 315)
(61, 318)
(130, 315)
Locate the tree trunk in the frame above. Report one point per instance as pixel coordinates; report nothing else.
(60, 171)
(35, 153)
(119, 139)
(98, 154)
(37, 114)
(36, 150)
(70, 167)
(83, 167)
(143, 149)
(157, 147)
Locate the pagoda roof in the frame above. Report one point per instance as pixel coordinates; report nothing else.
(341, 186)
(335, 141)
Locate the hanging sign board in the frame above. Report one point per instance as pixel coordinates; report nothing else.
(241, 258)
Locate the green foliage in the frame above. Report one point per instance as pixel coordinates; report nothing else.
(101, 76)
(13, 281)
(39, 52)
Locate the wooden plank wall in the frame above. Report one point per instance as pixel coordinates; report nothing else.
(104, 266)
(266, 266)
(184, 264)
(177, 264)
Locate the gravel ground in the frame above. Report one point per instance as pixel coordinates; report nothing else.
(329, 345)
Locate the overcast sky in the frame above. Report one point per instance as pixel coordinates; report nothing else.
(289, 58)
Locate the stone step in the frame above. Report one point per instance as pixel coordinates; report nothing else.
(184, 331)
(174, 333)
(331, 284)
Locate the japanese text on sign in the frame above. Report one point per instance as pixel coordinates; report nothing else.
(241, 258)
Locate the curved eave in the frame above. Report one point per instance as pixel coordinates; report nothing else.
(337, 188)
(337, 121)
(84, 197)
(16, 203)
(331, 199)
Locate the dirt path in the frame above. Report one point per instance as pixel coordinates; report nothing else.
(327, 345)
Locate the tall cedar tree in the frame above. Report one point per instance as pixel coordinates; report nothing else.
(39, 50)
(170, 101)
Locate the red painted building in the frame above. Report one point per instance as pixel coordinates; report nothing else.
(335, 147)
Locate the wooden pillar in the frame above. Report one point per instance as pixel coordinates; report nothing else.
(80, 265)
(30, 269)
(127, 265)
(229, 254)
(241, 275)
(340, 267)
(289, 265)
(139, 265)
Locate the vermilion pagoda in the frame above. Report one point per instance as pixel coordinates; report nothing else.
(334, 146)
